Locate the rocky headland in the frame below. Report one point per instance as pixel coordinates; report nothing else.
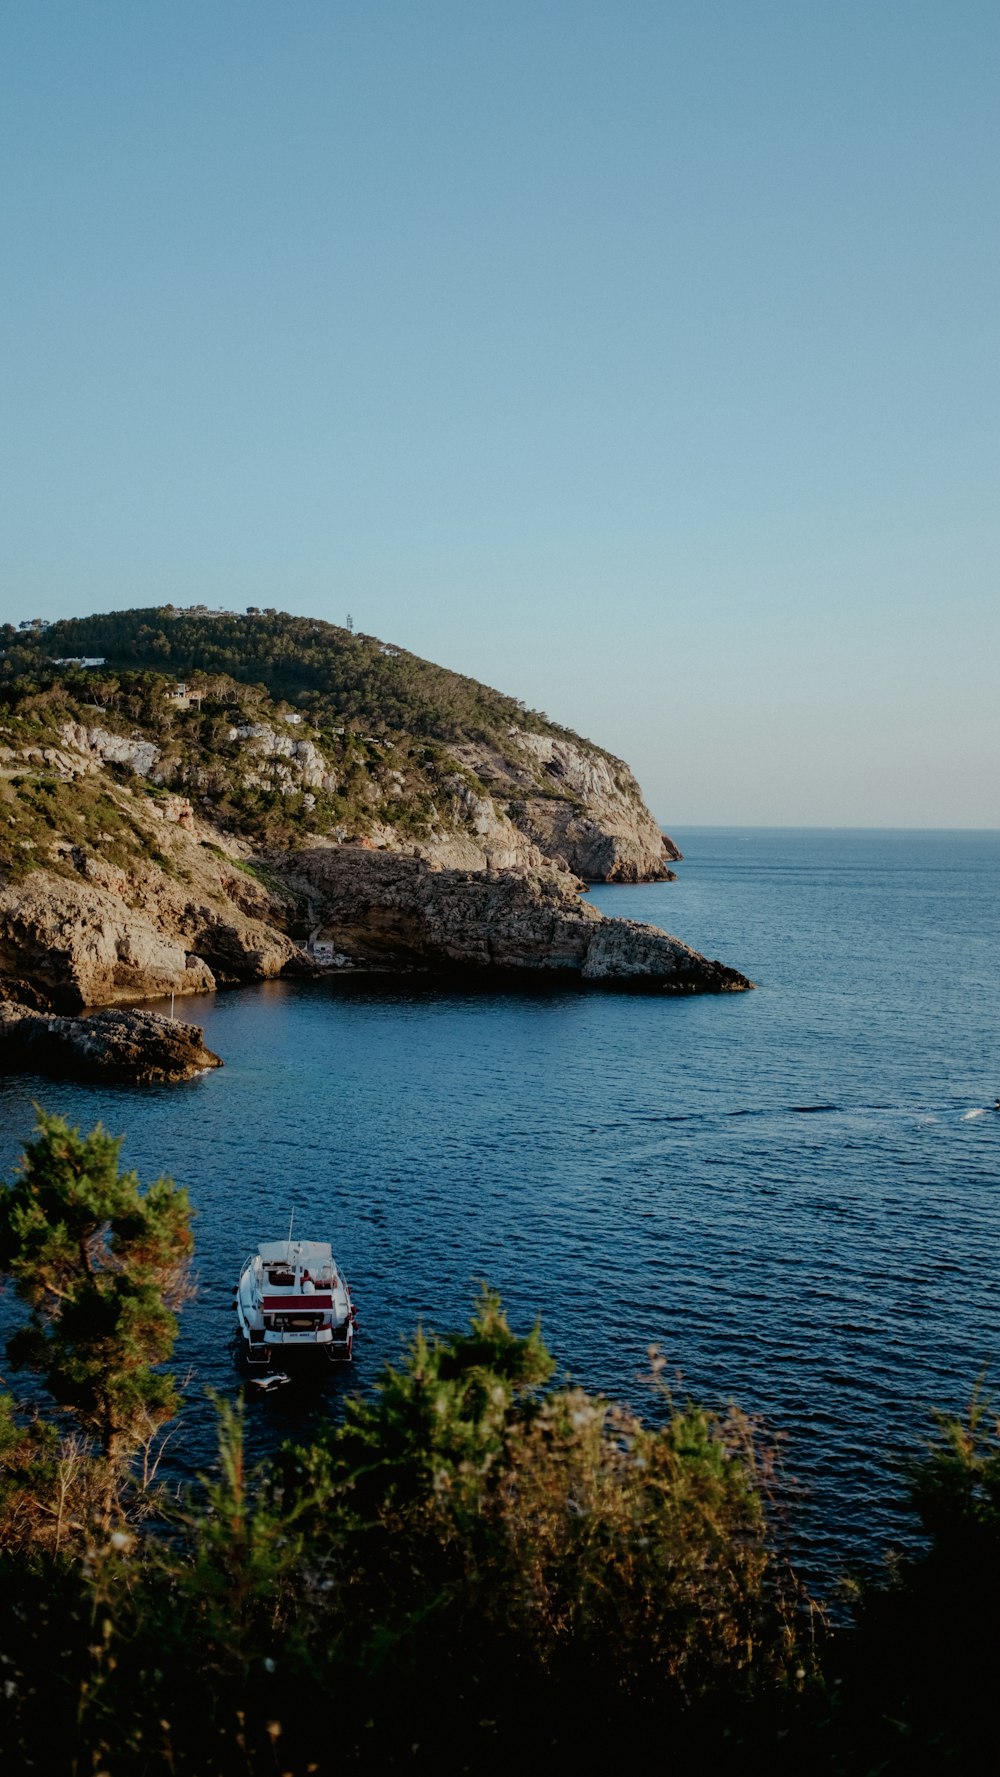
(303, 799)
(401, 912)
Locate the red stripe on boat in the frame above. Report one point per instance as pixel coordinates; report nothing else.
(295, 1304)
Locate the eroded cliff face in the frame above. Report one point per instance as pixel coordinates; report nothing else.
(537, 800)
(121, 889)
(547, 800)
(117, 941)
(398, 911)
(181, 916)
(85, 945)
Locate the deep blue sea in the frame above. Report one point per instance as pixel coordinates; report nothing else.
(794, 1193)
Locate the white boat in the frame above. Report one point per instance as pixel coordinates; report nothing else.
(292, 1295)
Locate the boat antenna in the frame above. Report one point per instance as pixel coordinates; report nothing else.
(288, 1243)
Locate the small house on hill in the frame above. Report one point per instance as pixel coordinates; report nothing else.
(320, 948)
(180, 698)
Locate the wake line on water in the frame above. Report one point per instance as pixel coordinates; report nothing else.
(799, 1110)
(815, 1110)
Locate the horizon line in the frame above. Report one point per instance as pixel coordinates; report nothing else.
(801, 827)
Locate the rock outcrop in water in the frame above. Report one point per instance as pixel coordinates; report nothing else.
(111, 1047)
(396, 912)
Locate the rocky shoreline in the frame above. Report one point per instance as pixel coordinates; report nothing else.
(391, 911)
(128, 873)
(376, 911)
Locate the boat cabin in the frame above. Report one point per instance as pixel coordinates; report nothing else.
(291, 1291)
(299, 1267)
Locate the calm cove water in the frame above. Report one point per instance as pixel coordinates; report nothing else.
(793, 1192)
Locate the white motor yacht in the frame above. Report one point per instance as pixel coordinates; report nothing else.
(291, 1294)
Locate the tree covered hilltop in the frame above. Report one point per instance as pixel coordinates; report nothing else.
(335, 671)
(476, 1569)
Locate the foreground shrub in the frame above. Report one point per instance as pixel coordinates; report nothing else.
(915, 1682)
(101, 1265)
(477, 1569)
(494, 1556)
(470, 1566)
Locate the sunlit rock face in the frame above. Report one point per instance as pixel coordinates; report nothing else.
(553, 801)
(380, 908)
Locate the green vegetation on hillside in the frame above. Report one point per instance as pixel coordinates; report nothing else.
(477, 1570)
(204, 753)
(336, 675)
(44, 820)
(382, 724)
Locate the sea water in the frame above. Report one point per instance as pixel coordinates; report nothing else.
(793, 1193)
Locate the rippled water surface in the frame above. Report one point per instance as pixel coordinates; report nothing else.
(793, 1192)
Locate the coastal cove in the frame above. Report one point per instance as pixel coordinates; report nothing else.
(792, 1192)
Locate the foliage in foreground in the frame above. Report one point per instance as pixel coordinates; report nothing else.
(464, 1557)
(476, 1568)
(101, 1265)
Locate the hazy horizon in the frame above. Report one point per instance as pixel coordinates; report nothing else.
(638, 360)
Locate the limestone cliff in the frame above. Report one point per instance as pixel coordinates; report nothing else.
(163, 837)
(576, 808)
(284, 723)
(125, 895)
(180, 909)
(399, 911)
(543, 800)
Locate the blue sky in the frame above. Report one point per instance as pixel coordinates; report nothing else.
(640, 359)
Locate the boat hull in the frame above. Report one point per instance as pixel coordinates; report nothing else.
(284, 1318)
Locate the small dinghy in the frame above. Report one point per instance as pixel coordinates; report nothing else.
(292, 1297)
